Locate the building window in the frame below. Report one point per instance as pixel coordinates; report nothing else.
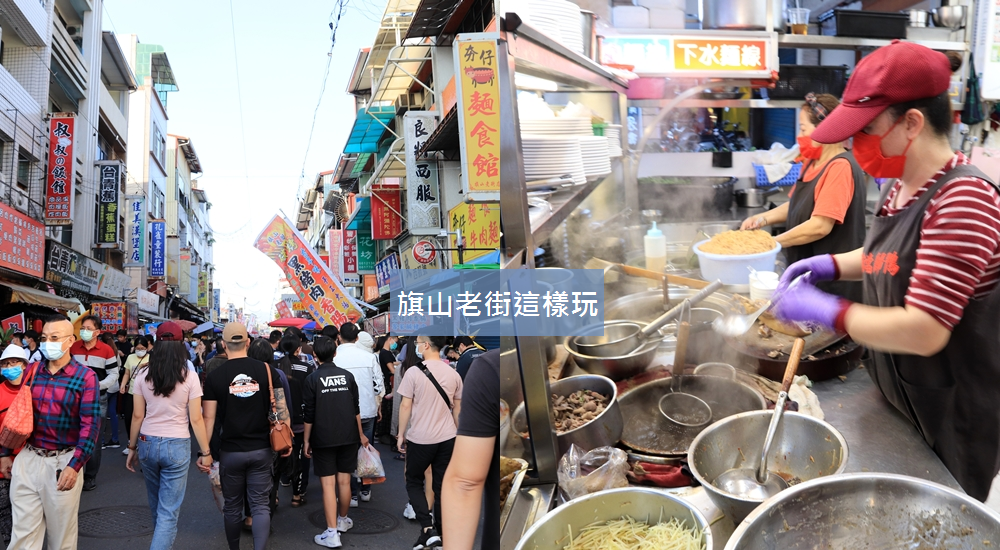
(23, 171)
(158, 147)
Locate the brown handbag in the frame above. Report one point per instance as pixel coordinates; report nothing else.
(19, 422)
(281, 436)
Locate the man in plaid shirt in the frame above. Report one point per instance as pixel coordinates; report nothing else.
(44, 490)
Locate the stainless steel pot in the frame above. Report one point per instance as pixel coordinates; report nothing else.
(615, 368)
(753, 197)
(605, 430)
(918, 18)
(741, 14)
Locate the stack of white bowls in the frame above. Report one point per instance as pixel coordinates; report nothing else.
(547, 157)
(558, 19)
(763, 284)
(596, 161)
(614, 134)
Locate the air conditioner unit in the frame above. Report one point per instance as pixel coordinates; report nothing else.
(20, 201)
(73, 31)
(406, 102)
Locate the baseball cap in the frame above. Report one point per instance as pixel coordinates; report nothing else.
(14, 352)
(235, 332)
(169, 331)
(897, 73)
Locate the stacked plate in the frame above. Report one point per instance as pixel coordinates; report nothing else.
(596, 161)
(559, 19)
(614, 134)
(548, 156)
(557, 126)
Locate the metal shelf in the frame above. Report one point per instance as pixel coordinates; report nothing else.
(565, 202)
(810, 41)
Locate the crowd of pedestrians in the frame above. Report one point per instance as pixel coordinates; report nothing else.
(219, 402)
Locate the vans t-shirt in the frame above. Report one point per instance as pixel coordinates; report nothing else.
(239, 387)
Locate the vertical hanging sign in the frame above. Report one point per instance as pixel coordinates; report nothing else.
(136, 216)
(350, 254)
(109, 182)
(479, 118)
(386, 223)
(366, 253)
(59, 178)
(334, 246)
(202, 289)
(158, 238)
(423, 209)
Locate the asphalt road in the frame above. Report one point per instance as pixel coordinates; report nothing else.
(117, 510)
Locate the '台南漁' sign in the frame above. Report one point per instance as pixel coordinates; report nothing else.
(109, 173)
(59, 176)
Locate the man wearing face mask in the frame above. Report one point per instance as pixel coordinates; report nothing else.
(44, 487)
(929, 265)
(103, 360)
(826, 213)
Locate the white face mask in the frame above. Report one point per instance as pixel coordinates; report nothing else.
(140, 353)
(420, 354)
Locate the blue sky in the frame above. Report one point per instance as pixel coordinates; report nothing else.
(282, 54)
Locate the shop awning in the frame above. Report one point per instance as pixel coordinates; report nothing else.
(391, 170)
(369, 126)
(431, 17)
(359, 164)
(361, 215)
(28, 295)
(402, 66)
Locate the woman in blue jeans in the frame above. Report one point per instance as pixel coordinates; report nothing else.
(167, 397)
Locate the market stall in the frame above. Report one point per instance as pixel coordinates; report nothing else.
(670, 106)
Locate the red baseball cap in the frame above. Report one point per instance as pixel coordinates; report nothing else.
(169, 331)
(897, 73)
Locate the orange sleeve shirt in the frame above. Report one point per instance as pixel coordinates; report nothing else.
(834, 191)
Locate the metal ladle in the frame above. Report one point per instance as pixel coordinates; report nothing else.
(679, 407)
(735, 325)
(759, 484)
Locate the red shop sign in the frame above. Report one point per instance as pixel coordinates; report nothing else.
(424, 252)
(386, 223)
(350, 248)
(59, 177)
(22, 247)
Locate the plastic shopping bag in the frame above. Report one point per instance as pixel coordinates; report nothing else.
(370, 465)
(582, 473)
(216, 483)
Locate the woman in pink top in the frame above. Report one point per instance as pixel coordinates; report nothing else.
(167, 397)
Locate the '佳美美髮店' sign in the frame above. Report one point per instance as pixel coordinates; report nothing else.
(750, 55)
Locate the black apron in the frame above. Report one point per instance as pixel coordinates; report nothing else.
(951, 397)
(844, 237)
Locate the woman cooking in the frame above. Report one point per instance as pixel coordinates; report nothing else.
(929, 265)
(826, 212)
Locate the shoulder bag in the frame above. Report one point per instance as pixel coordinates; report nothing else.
(281, 436)
(440, 390)
(20, 420)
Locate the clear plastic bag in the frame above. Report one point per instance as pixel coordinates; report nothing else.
(216, 483)
(584, 473)
(370, 465)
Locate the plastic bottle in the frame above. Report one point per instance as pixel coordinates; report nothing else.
(655, 245)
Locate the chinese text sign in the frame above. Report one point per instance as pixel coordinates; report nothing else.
(479, 118)
(59, 177)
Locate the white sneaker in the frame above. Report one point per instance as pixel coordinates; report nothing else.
(344, 524)
(365, 496)
(125, 451)
(329, 539)
(354, 502)
(408, 512)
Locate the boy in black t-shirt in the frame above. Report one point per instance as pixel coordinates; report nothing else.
(329, 398)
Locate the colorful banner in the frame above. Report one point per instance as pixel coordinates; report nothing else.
(202, 289)
(132, 318)
(386, 223)
(479, 224)
(158, 242)
(423, 208)
(136, 212)
(371, 289)
(366, 253)
(110, 183)
(349, 258)
(385, 269)
(283, 309)
(479, 119)
(334, 247)
(317, 288)
(16, 322)
(112, 315)
(747, 55)
(59, 177)
(22, 247)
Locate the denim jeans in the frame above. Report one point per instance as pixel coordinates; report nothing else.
(165, 462)
(368, 427)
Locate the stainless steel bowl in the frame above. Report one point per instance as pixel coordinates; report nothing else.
(952, 17)
(804, 448)
(865, 510)
(637, 502)
(618, 367)
(614, 339)
(604, 430)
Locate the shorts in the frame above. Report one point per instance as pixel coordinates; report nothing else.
(342, 459)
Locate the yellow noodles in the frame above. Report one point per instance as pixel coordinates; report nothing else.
(629, 534)
(739, 243)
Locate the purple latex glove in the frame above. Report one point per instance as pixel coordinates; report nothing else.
(805, 303)
(822, 268)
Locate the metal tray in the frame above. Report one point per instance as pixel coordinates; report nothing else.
(515, 488)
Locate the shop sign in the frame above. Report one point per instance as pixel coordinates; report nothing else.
(423, 208)
(216, 301)
(173, 257)
(366, 253)
(705, 55)
(202, 289)
(479, 224)
(379, 324)
(112, 314)
(72, 270)
(109, 182)
(323, 296)
(479, 119)
(988, 49)
(386, 206)
(158, 242)
(148, 302)
(334, 246)
(184, 268)
(136, 217)
(59, 177)
(15, 323)
(424, 252)
(349, 258)
(22, 247)
(283, 309)
(385, 269)
(371, 289)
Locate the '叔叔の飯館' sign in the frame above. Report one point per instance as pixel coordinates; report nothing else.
(711, 54)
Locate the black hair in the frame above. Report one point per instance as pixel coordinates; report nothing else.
(936, 110)
(143, 341)
(294, 331)
(94, 319)
(121, 332)
(18, 335)
(289, 343)
(463, 341)
(330, 331)
(220, 345)
(31, 334)
(380, 342)
(349, 332)
(167, 367)
(260, 349)
(274, 337)
(436, 342)
(324, 348)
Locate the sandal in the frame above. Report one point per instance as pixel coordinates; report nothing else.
(298, 500)
(400, 456)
